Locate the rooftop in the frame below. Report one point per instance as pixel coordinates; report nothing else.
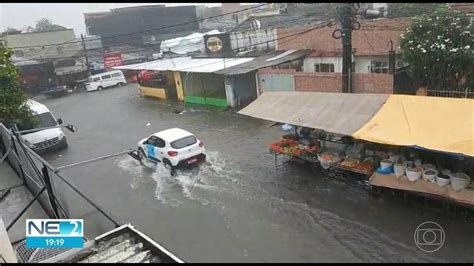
(172, 134)
(188, 64)
(273, 21)
(269, 59)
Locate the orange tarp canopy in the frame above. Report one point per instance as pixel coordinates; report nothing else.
(435, 123)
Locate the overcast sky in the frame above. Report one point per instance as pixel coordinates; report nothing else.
(70, 15)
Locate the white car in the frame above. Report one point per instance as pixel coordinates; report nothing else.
(44, 140)
(174, 147)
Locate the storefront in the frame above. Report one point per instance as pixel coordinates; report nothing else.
(192, 80)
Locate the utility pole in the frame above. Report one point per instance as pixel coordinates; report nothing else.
(346, 45)
(348, 23)
(391, 59)
(85, 54)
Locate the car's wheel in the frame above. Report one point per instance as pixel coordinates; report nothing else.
(169, 166)
(120, 84)
(141, 154)
(99, 88)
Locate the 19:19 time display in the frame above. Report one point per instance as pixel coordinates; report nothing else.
(58, 242)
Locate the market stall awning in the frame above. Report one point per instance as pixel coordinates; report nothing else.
(435, 123)
(188, 64)
(338, 113)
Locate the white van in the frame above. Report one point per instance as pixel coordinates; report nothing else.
(46, 139)
(105, 80)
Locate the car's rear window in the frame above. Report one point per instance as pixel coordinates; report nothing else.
(184, 142)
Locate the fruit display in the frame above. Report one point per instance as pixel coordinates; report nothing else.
(294, 148)
(357, 166)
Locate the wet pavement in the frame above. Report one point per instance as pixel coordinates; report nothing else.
(237, 207)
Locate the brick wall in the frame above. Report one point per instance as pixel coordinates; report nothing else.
(371, 39)
(332, 82)
(372, 83)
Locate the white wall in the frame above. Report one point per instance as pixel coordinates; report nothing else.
(379, 5)
(362, 63)
(309, 62)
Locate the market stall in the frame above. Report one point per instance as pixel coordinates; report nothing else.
(315, 148)
(389, 138)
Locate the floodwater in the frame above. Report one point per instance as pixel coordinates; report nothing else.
(236, 207)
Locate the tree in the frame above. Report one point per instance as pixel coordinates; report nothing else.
(396, 10)
(439, 48)
(13, 109)
(46, 24)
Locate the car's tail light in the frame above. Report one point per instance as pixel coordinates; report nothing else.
(172, 153)
(201, 144)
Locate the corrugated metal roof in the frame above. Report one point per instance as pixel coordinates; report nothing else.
(267, 60)
(121, 245)
(340, 113)
(188, 64)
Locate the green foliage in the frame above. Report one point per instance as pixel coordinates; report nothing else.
(12, 100)
(412, 9)
(439, 47)
(46, 24)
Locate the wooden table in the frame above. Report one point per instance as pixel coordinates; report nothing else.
(465, 196)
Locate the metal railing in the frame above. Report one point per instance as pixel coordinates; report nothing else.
(50, 188)
(452, 93)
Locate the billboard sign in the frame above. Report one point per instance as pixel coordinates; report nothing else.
(112, 60)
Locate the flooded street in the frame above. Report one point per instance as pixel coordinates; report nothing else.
(236, 207)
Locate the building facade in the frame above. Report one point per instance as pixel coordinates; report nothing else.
(47, 45)
(142, 25)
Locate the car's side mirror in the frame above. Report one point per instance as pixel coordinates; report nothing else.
(60, 121)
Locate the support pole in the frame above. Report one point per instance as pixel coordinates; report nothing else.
(85, 55)
(346, 23)
(49, 188)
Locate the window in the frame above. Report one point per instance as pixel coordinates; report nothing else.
(96, 79)
(160, 143)
(105, 76)
(152, 140)
(324, 67)
(379, 67)
(116, 75)
(44, 120)
(184, 142)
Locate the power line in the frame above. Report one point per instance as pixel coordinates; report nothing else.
(157, 29)
(276, 39)
(145, 48)
(105, 47)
